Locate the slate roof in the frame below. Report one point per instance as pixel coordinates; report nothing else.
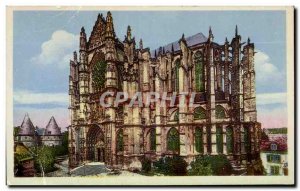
(40, 131)
(52, 128)
(191, 41)
(27, 127)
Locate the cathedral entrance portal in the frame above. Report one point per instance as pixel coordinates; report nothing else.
(95, 144)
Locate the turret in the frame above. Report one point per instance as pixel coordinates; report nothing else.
(141, 44)
(128, 33)
(210, 35)
(82, 51)
(83, 42)
(109, 31)
(249, 83)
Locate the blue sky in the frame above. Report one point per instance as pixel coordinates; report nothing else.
(44, 41)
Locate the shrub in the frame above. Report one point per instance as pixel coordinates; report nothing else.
(171, 166)
(146, 165)
(200, 167)
(211, 165)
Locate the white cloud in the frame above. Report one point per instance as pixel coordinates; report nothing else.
(28, 97)
(271, 98)
(58, 50)
(267, 74)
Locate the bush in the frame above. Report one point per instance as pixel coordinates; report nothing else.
(146, 165)
(171, 166)
(211, 165)
(200, 167)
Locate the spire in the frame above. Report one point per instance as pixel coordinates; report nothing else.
(248, 40)
(155, 53)
(83, 41)
(27, 128)
(82, 30)
(182, 39)
(52, 127)
(226, 40)
(163, 50)
(210, 35)
(172, 48)
(141, 44)
(128, 33)
(75, 56)
(236, 30)
(110, 32)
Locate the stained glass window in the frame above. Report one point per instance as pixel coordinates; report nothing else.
(247, 140)
(98, 74)
(220, 112)
(175, 76)
(120, 142)
(152, 140)
(173, 143)
(229, 139)
(199, 113)
(219, 139)
(176, 116)
(199, 72)
(199, 140)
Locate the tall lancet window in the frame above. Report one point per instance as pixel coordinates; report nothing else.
(175, 76)
(199, 71)
(173, 142)
(120, 142)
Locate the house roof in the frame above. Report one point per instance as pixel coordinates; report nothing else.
(27, 127)
(281, 143)
(52, 128)
(191, 41)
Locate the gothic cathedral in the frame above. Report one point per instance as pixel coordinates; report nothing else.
(222, 76)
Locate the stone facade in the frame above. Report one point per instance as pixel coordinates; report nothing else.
(222, 75)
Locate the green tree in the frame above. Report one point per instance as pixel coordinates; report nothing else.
(44, 161)
(211, 165)
(171, 166)
(200, 167)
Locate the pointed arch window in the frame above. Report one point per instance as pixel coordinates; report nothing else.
(120, 141)
(199, 139)
(219, 137)
(98, 75)
(229, 139)
(220, 112)
(173, 143)
(247, 139)
(199, 71)
(152, 140)
(176, 116)
(199, 113)
(175, 76)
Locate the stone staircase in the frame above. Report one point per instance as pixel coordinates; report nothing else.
(238, 170)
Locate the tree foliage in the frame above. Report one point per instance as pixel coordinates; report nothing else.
(45, 159)
(171, 166)
(210, 165)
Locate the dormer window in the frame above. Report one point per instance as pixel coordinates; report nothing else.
(273, 147)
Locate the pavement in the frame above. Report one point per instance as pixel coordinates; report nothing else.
(90, 169)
